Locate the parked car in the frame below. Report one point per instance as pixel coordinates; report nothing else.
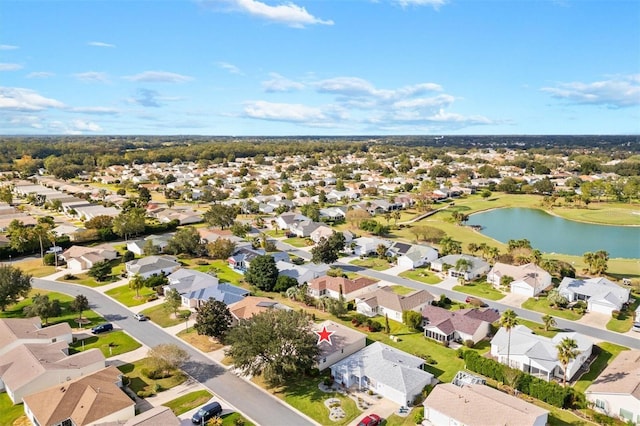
(140, 317)
(102, 328)
(475, 302)
(636, 326)
(206, 412)
(370, 420)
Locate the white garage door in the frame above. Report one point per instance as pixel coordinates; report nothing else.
(521, 289)
(601, 309)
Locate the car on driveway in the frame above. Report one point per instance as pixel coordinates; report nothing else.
(102, 328)
(370, 420)
(206, 413)
(140, 317)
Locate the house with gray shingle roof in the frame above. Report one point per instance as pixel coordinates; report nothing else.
(387, 371)
(602, 296)
(462, 325)
(197, 287)
(152, 265)
(385, 301)
(344, 341)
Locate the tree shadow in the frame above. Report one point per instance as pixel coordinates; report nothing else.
(202, 371)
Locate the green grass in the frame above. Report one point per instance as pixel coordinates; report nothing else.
(220, 267)
(111, 344)
(297, 242)
(164, 317)
(538, 328)
(607, 353)
(140, 382)
(623, 322)
(231, 419)
(483, 289)
(542, 305)
(396, 420)
(128, 297)
(304, 395)
(34, 267)
(85, 280)
(9, 413)
(188, 402)
(372, 263)
(401, 290)
(68, 316)
(422, 275)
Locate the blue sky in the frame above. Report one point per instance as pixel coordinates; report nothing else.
(323, 67)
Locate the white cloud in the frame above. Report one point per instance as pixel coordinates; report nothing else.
(287, 13)
(100, 44)
(92, 77)
(360, 89)
(618, 92)
(158, 77)
(283, 112)
(279, 83)
(421, 103)
(229, 67)
(8, 47)
(18, 99)
(434, 3)
(10, 67)
(32, 121)
(40, 74)
(83, 125)
(98, 110)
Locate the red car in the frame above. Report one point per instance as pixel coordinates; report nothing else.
(370, 420)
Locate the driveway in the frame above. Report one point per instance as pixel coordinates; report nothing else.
(513, 299)
(396, 270)
(595, 319)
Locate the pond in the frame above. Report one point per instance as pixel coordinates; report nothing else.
(552, 234)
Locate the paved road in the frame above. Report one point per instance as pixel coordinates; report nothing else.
(595, 333)
(258, 405)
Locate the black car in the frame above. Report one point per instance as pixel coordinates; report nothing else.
(102, 328)
(206, 412)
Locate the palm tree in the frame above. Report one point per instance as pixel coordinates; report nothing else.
(508, 320)
(463, 266)
(136, 283)
(473, 248)
(549, 322)
(567, 352)
(589, 258)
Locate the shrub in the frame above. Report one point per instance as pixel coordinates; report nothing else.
(70, 277)
(49, 259)
(469, 343)
(202, 262)
(358, 319)
(152, 297)
(155, 374)
(460, 353)
(328, 381)
(145, 394)
(128, 256)
(238, 422)
(374, 326)
(350, 306)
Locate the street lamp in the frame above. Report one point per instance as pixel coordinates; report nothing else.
(186, 316)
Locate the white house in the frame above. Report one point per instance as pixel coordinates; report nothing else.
(538, 355)
(601, 295)
(385, 301)
(326, 286)
(412, 256)
(528, 280)
(476, 268)
(465, 324)
(17, 331)
(152, 265)
(389, 372)
(197, 287)
(343, 341)
(616, 391)
(364, 246)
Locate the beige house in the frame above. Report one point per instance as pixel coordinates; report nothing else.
(92, 399)
(528, 280)
(157, 416)
(616, 392)
(343, 342)
(479, 405)
(385, 301)
(17, 331)
(253, 305)
(30, 368)
(79, 258)
(327, 286)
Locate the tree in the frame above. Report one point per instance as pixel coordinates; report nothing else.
(185, 241)
(167, 357)
(463, 265)
(556, 300)
(262, 272)
(221, 248)
(41, 306)
(450, 246)
(79, 305)
(567, 352)
(136, 283)
(600, 265)
(381, 251)
(548, 321)
(99, 222)
(284, 283)
(221, 215)
(14, 285)
(213, 319)
(412, 319)
(42, 233)
(173, 301)
(131, 222)
(100, 270)
(150, 249)
(275, 344)
(328, 249)
(508, 320)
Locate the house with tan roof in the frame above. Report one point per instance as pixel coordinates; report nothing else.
(528, 280)
(479, 405)
(30, 368)
(79, 257)
(18, 331)
(343, 342)
(326, 286)
(616, 391)
(253, 305)
(157, 416)
(94, 398)
(462, 325)
(385, 301)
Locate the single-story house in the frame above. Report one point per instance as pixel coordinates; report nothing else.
(528, 280)
(602, 296)
(197, 287)
(302, 273)
(364, 246)
(616, 391)
(333, 213)
(304, 229)
(479, 405)
(538, 355)
(461, 325)
(477, 266)
(17, 331)
(95, 398)
(322, 231)
(30, 367)
(389, 372)
(327, 286)
(157, 416)
(285, 220)
(252, 305)
(343, 341)
(412, 255)
(79, 257)
(137, 246)
(152, 265)
(385, 301)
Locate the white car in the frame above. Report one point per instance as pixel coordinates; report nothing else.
(140, 317)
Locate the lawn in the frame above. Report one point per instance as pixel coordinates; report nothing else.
(234, 419)
(408, 420)
(160, 315)
(128, 297)
(85, 280)
(34, 267)
(483, 289)
(401, 290)
(111, 344)
(304, 395)
(372, 263)
(220, 267)
(538, 328)
(139, 382)
(68, 316)
(188, 402)
(624, 320)
(607, 353)
(204, 343)
(9, 413)
(542, 305)
(422, 275)
(297, 242)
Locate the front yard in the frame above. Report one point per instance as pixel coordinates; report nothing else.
(484, 290)
(542, 305)
(111, 344)
(164, 317)
(422, 275)
(129, 297)
(204, 343)
(221, 269)
(374, 263)
(140, 383)
(188, 402)
(622, 322)
(10, 413)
